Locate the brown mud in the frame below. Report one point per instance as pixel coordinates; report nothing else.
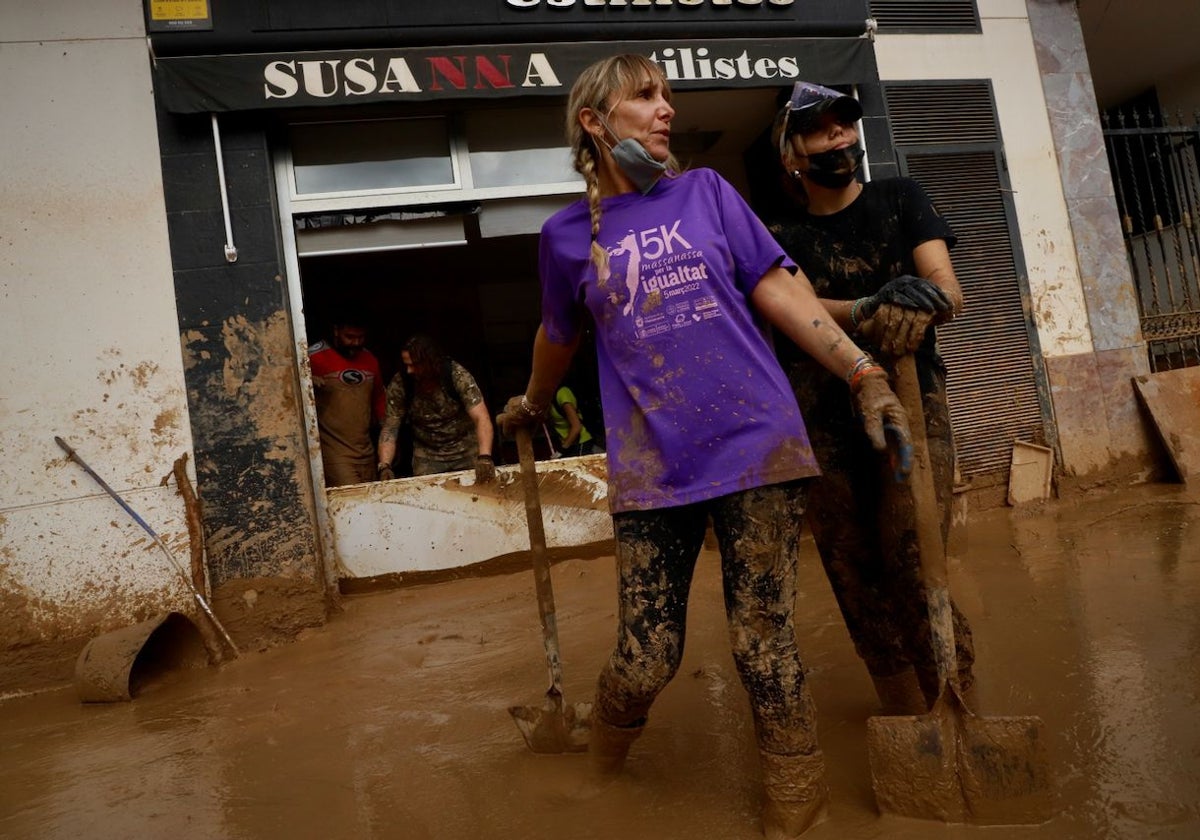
(391, 720)
(262, 612)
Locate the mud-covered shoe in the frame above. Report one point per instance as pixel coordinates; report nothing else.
(608, 746)
(796, 795)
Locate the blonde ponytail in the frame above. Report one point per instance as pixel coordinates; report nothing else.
(585, 164)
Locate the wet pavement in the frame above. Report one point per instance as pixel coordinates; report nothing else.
(391, 720)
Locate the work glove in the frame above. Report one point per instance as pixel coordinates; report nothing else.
(897, 330)
(905, 291)
(384, 473)
(485, 469)
(519, 413)
(882, 417)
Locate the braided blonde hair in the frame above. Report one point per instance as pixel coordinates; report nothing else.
(600, 87)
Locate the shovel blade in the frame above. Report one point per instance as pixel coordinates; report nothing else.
(954, 766)
(554, 728)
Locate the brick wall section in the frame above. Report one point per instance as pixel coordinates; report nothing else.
(239, 356)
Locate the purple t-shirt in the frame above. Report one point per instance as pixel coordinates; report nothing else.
(695, 403)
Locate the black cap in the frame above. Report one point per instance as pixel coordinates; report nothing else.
(809, 101)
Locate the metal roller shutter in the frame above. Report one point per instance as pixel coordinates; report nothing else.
(948, 140)
(925, 15)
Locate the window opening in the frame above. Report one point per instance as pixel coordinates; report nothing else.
(504, 151)
(477, 293)
(334, 158)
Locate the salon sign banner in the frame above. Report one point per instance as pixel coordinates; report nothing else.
(196, 84)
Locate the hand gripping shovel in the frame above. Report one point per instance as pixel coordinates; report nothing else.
(554, 727)
(951, 764)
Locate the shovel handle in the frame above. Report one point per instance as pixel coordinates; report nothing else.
(928, 520)
(541, 565)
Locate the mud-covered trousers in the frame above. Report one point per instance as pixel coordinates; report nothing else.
(865, 532)
(656, 557)
(342, 469)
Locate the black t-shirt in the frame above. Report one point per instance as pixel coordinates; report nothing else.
(851, 254)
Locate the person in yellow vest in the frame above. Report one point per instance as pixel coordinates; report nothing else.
(571, 436)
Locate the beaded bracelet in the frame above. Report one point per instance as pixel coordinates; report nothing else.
(530, 408)
(862, 367)
(860, 362)
(854, 312)
(857, 380)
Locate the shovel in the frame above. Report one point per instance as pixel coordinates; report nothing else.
(555, 726)
(951, 764)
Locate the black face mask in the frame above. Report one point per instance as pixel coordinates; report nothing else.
(834, 169)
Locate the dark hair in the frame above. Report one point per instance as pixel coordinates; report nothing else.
(427, 356)
(425, 352)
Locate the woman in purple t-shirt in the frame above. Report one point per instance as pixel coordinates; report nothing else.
(681, 279)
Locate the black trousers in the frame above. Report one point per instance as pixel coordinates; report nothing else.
(656, 558)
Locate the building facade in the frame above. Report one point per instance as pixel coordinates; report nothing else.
(198, 185)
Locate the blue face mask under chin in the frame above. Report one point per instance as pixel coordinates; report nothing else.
(637, 163)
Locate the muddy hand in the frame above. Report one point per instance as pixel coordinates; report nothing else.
(878, 406)
(897, 330)
(909, 292)
(485, 469)
(519, 413)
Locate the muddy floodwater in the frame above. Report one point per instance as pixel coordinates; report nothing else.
(391, 720)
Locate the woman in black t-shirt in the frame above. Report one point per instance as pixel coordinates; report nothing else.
(878, 255)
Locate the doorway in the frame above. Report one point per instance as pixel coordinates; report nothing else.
(447, 250)
(479, 301)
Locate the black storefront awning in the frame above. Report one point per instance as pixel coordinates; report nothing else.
(194, 84)
(228, 27)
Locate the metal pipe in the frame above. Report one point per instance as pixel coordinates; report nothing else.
(231, 254)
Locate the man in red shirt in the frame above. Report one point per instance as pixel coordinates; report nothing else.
(349, 392)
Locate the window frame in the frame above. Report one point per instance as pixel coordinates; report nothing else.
(462, 190)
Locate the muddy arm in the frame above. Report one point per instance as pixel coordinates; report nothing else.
(550, 364)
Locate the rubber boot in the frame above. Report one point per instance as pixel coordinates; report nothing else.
(608, 746)
(796, 795)
(900, 694)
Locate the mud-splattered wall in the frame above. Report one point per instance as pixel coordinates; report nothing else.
(89, 348)
(1102, 430)
(239, 359)
(1079, 302)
